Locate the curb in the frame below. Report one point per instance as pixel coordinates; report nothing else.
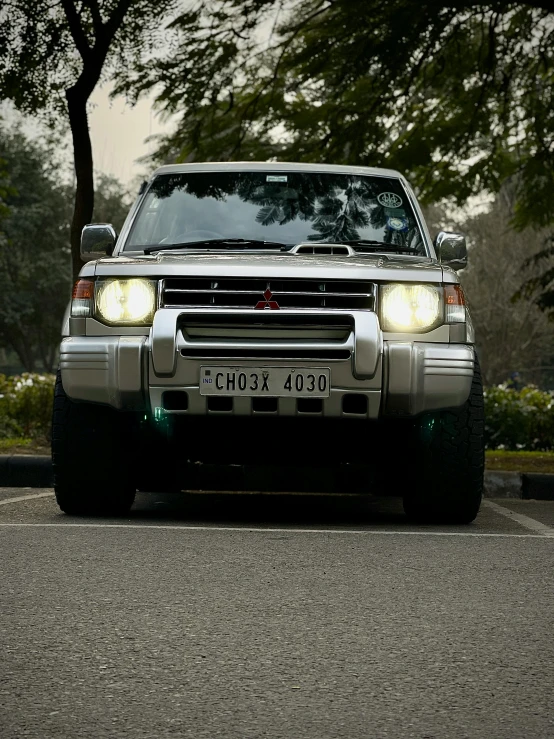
(25, 471)
(504, 485)
(525, 485)
(28, 471)
(537, 487)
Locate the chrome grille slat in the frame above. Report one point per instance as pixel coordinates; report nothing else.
(276, 293)
(246, 293)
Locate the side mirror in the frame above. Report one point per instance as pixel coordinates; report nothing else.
(451, 249)
(97, 241)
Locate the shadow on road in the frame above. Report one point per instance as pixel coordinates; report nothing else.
(267, 509)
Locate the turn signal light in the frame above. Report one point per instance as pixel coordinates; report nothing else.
(83, 289)
(82, 299)
(454, 304)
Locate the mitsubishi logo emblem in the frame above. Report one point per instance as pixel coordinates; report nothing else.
(267, 304)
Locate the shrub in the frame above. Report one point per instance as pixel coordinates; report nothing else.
(519, 419)
(26, 406)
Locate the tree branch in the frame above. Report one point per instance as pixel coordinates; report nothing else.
(97, 24)
(112, 25)
(75, 28)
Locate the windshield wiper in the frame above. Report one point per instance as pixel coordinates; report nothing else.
(376, 246)
(221, 243)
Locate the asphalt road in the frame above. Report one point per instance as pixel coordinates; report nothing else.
(274, 616)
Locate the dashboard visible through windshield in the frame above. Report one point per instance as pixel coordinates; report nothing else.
(284, 207)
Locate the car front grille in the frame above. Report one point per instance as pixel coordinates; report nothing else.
(267, 294)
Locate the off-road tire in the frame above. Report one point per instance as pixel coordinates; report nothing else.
(448, 463)
(90, 457)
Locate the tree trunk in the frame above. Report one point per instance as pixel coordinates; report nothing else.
(84, 192)
(19, 342)
(48, 351)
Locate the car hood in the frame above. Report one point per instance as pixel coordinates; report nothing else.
(390, 267)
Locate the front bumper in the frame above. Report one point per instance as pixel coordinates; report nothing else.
(387, 377)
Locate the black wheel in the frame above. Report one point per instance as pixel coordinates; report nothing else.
(449, 462)
(90, 457)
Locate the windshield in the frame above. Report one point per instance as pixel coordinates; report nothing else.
(286, 208)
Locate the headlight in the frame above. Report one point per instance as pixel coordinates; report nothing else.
(130, 302)
(410, 307)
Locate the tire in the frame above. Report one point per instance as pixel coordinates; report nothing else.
(90, 457)
(449, 462)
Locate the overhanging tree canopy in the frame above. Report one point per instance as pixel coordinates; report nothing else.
(459, 96)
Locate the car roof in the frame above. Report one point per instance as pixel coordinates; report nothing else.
(275, 167)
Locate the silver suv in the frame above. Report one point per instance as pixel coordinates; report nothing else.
(264, 319)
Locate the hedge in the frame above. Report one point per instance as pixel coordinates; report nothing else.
(519, 419)
(26, 406)
(515, 419)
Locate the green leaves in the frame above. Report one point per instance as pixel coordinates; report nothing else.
(26, 406)
(52, 58)
(42, 51)
(34, 251)
(35, 271)
(519, 418)
(457, 96)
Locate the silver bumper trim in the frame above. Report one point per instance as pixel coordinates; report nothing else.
(422, 377)
(402, 378)
(110, 370)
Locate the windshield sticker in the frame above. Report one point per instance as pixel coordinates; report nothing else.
(397, 224)
(276, 178)
(397, 212)
(389, 200)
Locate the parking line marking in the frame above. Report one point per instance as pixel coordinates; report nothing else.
(521, 519)
(250, 529)
(25, 497)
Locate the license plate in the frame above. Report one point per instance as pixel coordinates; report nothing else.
(282, 382)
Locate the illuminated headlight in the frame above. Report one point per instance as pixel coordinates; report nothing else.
(411, 307)
(125, 302)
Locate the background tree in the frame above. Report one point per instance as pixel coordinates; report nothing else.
(111, 202)
(53, 56)
(35, 273)
(34, 251)
(511, 336)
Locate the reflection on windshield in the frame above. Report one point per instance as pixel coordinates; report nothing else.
(290, 208)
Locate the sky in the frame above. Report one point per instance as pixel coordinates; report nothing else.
(119, 135)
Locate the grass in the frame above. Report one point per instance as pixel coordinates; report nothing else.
(520, 461)
(23, 445)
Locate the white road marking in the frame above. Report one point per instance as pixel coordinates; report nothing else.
(263, 530)
(25, 497)
(522, 520)
(541, 530)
